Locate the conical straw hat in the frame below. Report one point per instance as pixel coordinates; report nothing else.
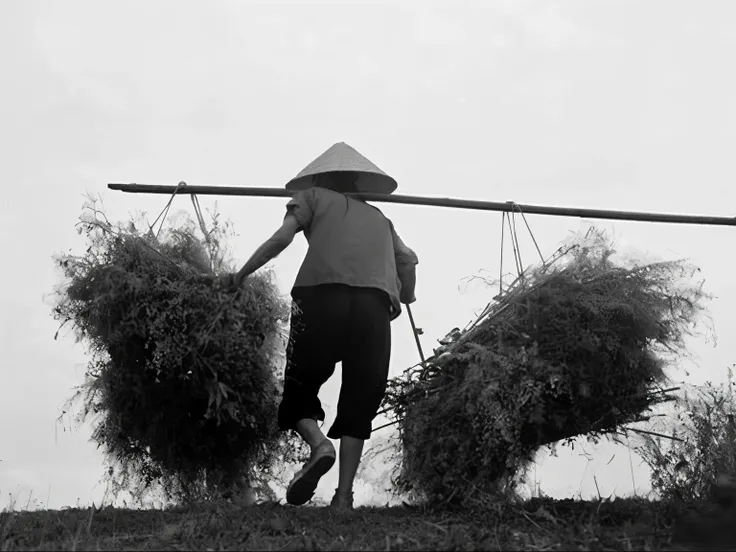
(341, 157)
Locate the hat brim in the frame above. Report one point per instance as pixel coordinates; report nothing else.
(367, 182)
(341, 157)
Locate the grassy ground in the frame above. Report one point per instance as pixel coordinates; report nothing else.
(539, 524)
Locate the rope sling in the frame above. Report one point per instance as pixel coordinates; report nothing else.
(208, 240)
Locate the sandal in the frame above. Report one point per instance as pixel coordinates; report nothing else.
(302, 486)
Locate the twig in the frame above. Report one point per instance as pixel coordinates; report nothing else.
(436, 526)
(665, 390)
(654, 433)
(598, 490)
(386, 425)
(631, 468)
(287, 544)
(532, 521)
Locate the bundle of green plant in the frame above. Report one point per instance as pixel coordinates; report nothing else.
(183, 377)
(576, 347)
(699, 461)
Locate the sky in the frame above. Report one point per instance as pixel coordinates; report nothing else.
(598, 104)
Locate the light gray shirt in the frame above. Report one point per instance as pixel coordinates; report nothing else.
(350, 242)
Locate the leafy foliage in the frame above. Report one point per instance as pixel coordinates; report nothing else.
(702, 459)
(183, 378)
(576, 347)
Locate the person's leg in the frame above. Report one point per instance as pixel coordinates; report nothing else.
(351, 450)
(321, 459)
(310, 361)
(308, 429)
(314, 350)
(365, 373)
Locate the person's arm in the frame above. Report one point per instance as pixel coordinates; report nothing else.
(408, 278)
(271, 248)
(406, 262)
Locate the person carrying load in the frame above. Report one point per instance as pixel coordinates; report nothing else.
(356, 273)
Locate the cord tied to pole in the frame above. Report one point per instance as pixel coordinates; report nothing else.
(164, 213)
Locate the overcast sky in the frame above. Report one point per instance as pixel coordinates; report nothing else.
(613, 105)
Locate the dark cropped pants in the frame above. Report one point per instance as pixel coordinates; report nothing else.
(334, 323)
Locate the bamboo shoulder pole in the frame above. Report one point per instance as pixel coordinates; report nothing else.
(440, 202)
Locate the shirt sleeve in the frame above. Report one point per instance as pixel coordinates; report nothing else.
(405, 256)
(301, 206)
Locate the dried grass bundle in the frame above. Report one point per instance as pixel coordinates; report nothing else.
(183, 380)
(576, 347)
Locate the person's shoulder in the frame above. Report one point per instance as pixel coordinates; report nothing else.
(364, 202)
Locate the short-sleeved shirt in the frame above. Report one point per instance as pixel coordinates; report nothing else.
(350, 242)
